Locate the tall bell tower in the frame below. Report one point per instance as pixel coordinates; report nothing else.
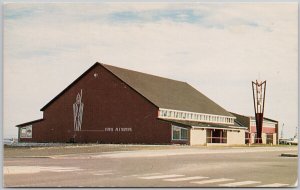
(259, 92)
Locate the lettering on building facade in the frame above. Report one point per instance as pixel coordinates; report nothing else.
(118, 129)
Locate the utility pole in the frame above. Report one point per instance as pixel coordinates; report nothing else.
(296, 133)
(281, 134)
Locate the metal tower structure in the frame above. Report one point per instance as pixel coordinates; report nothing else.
(296, 133)
(259, 89)
(281, 135)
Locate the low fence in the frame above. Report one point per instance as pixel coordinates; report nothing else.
(258, 140)
(216, 139)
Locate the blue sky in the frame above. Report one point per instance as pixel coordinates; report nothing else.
(175, 14)
(217, 48)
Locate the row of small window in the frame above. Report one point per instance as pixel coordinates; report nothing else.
(194, 116)
(26, 132)
(179, 133)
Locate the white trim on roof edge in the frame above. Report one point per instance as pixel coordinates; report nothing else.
(228, 129)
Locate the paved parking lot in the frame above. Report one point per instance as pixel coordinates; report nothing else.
(188, 167)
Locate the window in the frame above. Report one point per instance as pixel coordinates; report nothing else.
(183, 133)
(26, 132)
(176, 133)
(23, 132)
(179, 133)
(269, 139)
(165, 113)
(161, 113)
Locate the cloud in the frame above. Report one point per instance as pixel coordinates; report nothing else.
(218, 48)
(211, 15)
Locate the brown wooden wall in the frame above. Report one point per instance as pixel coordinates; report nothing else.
(108, 103)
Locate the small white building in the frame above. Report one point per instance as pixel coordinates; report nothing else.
(204, 129)
(269, 129)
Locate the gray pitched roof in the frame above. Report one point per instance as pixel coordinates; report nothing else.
(244, 120)
(167, 93)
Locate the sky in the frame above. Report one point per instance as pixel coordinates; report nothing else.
(217, 48)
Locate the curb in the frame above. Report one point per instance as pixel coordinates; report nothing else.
(289, 155)
(29, 157)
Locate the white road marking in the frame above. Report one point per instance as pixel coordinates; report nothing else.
(186, 178)
(174, 152)
(7, 170)
(274, 185)
(161, 176)
(212, 181)
(36, 169)
(103, 173)
(59, 169)
(130, 175)
(241, 183)
(136, 175)
(148, 174)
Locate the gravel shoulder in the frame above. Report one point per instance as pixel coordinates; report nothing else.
(46, 150)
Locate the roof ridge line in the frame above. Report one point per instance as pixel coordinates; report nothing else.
(140, 72)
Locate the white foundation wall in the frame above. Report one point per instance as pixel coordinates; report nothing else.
(274, 138)
(252, 138)
(197, 137)
(264, 138)
(235, 137)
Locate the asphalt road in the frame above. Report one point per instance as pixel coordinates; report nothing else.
(211, 167)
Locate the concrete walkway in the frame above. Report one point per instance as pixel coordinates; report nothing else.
(187, 151)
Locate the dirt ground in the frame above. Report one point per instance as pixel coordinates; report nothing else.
(29, 151)
(44, 150)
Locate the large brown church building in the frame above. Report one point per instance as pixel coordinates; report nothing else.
(107, 104)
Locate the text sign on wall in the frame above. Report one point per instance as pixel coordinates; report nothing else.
(118, 129)
(26, 132)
